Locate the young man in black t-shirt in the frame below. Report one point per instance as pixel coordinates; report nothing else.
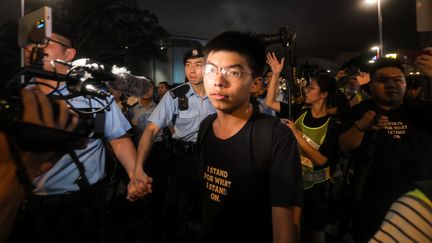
(241, 201)
(390, 143)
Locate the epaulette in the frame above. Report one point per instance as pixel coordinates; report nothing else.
(180, 90)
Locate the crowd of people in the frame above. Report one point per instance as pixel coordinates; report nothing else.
(225, 157)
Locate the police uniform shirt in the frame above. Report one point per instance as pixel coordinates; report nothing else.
(138, 116)
(61, 178)
(186, 122)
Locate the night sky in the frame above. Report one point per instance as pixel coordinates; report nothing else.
(324, 28)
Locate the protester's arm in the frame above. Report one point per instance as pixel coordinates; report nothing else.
(424, 62)
(352, 138)
(137, 189)
(276, 68)
(285, 227)
(311, 153)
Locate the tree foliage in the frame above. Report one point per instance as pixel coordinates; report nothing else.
(104, 30)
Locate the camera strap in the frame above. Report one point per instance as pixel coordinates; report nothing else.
(97, 205)
(87, 191)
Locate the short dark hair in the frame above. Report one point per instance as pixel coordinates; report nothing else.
(383, 63)
(164, 83)
(243, 43)
(326, 82)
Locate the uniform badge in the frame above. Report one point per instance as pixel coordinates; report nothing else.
(194, 52)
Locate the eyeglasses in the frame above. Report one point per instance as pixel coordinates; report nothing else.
(230, 74)
(47, 42)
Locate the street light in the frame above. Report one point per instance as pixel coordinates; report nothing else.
(377, 50)
(378, 2)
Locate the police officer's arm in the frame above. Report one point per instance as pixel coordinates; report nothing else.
(285, 227)
(352, 138)
(276, 68)
(125, 152)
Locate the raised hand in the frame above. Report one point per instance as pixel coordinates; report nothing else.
(274, 63)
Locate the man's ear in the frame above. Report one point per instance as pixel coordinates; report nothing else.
(70, 54)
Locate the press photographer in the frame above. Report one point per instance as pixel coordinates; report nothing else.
(68, 197)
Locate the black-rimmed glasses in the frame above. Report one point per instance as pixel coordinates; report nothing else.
(47, 42)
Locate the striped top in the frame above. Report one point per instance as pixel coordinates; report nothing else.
(408, 220)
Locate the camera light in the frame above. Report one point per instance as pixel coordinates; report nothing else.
(40, 24)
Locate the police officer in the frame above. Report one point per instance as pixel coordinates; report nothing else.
(69, 196)
(186, 106)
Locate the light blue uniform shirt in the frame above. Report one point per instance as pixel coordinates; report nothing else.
(138, 116)
(61, 178)
(264, 108)
(186, 122)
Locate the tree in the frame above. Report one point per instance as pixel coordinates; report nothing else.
(103, 30)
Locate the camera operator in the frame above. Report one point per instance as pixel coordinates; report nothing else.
(72, 203)
(37, 110)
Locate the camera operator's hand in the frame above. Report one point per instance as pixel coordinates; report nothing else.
(371, 121)
(424, 62)
(274, 63)
(37, 109)
(140, 185)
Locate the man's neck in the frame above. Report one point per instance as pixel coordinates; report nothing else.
(51, 85)
(198, 89)
(228, 124)
(388, 107)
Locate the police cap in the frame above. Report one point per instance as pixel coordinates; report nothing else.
(193, 53)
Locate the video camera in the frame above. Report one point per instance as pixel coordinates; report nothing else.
(285, 37)
(84, 79)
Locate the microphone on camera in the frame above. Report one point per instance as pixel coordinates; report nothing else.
(128, 83)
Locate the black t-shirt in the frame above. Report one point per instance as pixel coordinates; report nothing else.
(390, 159)
(238, 195)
